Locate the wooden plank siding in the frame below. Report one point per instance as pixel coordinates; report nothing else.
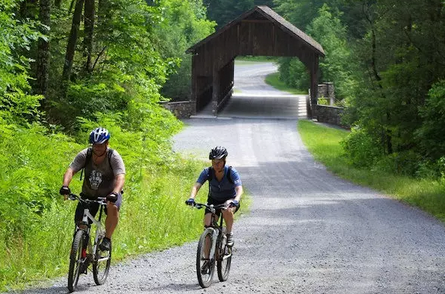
(258, 32)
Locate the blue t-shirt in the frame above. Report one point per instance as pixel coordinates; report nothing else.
(223, 190)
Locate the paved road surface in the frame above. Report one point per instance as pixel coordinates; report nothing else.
(307, 232)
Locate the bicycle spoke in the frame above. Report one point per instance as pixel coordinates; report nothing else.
(101, 265)
(205, 264)
(76, 260)
(224, 260)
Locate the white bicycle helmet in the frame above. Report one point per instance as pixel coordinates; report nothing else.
(99, 136)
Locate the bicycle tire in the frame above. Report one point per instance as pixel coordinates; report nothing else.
(205, 271)
(101, 264)
(224, 259)
(76, 260)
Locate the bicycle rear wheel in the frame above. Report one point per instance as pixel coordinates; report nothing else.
(101, 264)
(224, 259)
(77, 259)
(205, 264)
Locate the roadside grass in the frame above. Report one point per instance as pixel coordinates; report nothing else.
(324, 144)
(274, 81)
(153, 217)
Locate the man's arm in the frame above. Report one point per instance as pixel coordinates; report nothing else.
(119, 183)
(67, 177)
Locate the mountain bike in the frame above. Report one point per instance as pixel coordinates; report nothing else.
(84, 252)
(212, 248)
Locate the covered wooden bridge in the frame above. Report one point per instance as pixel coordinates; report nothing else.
(257, 32)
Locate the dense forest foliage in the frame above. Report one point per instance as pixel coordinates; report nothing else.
(67, 67)
(386, 59)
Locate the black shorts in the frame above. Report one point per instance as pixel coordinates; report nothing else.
(218, 202)
(93, 207)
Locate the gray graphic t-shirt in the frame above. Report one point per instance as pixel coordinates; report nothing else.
(98, 179)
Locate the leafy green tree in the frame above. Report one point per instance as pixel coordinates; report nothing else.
(184, 24)
(16, 104)
(430, 134)
(301, 12)
(407, 59)
(108, 72)
(269, 3)
(43, 51)
(402, 57)
(222, 12)
(336, 65)
(293, 73)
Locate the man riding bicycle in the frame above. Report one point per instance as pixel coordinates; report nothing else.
(104, 177)
(224, 187)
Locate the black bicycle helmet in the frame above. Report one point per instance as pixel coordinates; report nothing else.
(218, 152)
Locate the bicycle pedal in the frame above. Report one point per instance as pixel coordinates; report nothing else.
(205, 269)
(83, 269)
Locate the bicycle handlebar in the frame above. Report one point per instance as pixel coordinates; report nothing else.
(210, 207)
(100, 200)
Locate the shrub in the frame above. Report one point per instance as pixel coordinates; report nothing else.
(361, 150)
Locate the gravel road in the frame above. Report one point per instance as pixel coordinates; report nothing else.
(307, 230)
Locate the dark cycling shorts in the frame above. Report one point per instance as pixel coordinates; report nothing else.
(218, 202)
(94, 208)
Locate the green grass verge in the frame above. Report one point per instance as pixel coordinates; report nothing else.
(274, 81)
(324, 144)
(153, 217)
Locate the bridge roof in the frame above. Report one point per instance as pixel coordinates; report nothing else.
(266, 13)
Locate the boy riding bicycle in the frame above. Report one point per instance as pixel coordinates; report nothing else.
(224, 187)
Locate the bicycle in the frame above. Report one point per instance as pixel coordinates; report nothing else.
(83, 251)
(212, 247)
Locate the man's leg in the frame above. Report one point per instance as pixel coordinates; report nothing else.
(111, 220)
(110, 225)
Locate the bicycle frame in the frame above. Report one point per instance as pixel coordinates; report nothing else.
(217, 228)
(86, 226)
(211, 254)
(83, 251)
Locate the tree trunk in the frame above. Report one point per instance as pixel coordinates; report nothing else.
(89, 32)
(103, 13)
(43, 54)
(71, 47)
(28, 9)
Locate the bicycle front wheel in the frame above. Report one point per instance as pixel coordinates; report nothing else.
(205, 264)
(224, 259)
(101, 264)
(77, 260)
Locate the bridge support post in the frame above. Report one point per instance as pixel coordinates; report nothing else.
(215, 90)
(314, 88)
